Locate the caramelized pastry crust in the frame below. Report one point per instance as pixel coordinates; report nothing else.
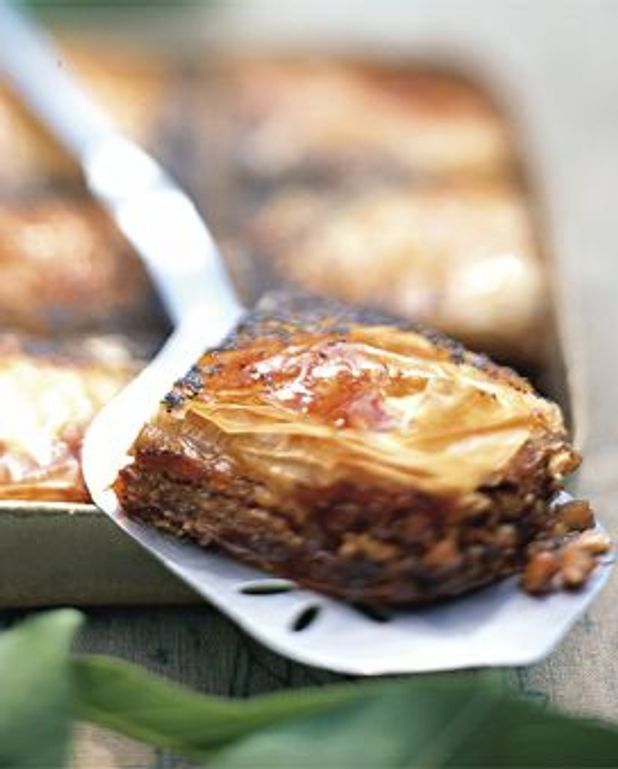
(49, 394)
(363, 458)
(462, 258)
(66, 268)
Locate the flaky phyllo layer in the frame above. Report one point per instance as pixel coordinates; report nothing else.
(376, 404)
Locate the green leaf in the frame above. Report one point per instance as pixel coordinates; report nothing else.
(427, 721)
(402, 724)
(525, 735)
(35, 691)
(122, 696)
(420, 724)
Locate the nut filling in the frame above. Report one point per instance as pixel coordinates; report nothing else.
(365, 459)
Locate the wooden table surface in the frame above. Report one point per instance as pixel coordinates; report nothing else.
(559, 60)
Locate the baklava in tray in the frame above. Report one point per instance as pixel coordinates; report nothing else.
(49, 393)
(461, 257)
(394, 187)
(78, 313)
(67, 269)
(326, 120)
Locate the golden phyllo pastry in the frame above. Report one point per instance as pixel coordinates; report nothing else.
(363, 458)
(49, 393)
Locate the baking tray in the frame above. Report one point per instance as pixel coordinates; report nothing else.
(53, 554)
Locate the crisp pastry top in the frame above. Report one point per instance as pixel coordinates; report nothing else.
(359, 402)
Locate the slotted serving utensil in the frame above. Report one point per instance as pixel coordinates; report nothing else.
(496, 626)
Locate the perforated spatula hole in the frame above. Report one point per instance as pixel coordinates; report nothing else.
(305, 618)
(373, 613)
(267, 587)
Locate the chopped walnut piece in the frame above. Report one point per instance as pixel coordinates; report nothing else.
(363, 545)
(576, 564)
(539, 576)
(568, 567)
(563, 462)
(594, 542)
(443, 554)
(576, 515)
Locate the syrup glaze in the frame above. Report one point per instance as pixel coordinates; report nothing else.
(369, 403)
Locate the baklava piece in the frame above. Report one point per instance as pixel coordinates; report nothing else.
(320, 119)
(462, 257)
(66, 268)
(368, 460)
(49, 393)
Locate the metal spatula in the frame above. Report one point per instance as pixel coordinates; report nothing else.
(496, 626)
